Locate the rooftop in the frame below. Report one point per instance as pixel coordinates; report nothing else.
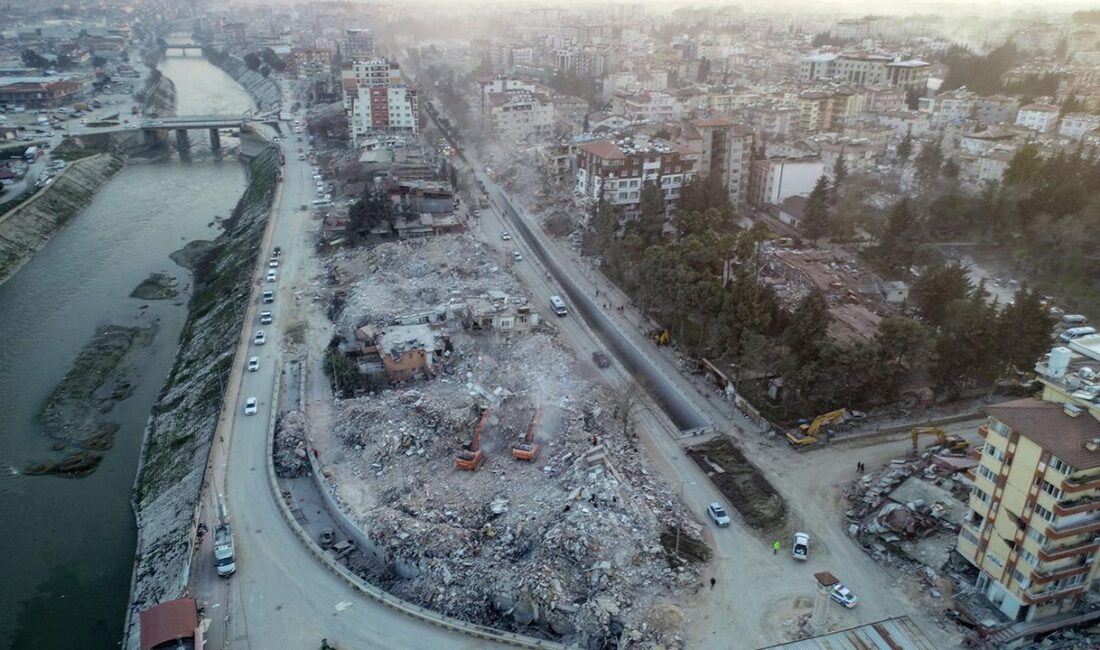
(1047, 425)
(899, 633)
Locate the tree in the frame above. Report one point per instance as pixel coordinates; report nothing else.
(704, 71)
(901, 237)
(840, 170)
(1024, 330)
(651, 205)
(602, 228)
(967, 351)
(1024, 167)
(252, 60)
(815, 217)
(33, 59)
(808, 327)
(903, 343)
(905, 148)
(937, 288)
(98, 61)
(929, 162)
(371, 210)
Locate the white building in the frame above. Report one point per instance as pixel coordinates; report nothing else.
(1038, 117)
(1076, 125)
(384, 109)
(773, 180)
(519, 115)
(617, 171)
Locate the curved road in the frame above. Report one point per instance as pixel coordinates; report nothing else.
(281, 595)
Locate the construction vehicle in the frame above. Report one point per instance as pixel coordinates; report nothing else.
(806, 434)
(527, 449)
(951, 443)
(660, 337)
(471, 456)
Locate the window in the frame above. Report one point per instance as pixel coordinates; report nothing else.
(1037, 536)
(1029, 558)
(1023, 580)
(982, 496)
(1052, 491)
(968, 536)
(995, 452)
(1060, 466)
(999, 428)
(995, 560)
(987, 473)
(1044, 513)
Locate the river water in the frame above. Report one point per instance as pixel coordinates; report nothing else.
(69, 543)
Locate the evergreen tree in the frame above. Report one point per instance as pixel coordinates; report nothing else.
(651, 204)
(815, 217)
(905, 148)
(840, 170)
(1024, 167)
(951, 169)
(903, 344)
(937, 288)
(967, 351)
(1024, 330)
(808, 328)
(929, 162)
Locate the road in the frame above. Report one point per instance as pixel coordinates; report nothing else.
(756, 590)
(281, 596)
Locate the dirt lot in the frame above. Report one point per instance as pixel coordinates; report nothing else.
(742, 483)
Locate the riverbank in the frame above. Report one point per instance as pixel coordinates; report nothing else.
(25, 229)
(179, 434)
(264, 91)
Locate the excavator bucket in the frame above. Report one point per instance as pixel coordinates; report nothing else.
(527, 449)
(471, 456)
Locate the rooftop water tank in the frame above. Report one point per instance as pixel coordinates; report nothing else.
(1059, 361)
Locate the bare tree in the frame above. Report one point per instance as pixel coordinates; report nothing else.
(626, 399)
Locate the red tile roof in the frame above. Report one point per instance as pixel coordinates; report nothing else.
(1045, 424)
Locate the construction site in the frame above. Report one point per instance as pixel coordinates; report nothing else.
(502, 481)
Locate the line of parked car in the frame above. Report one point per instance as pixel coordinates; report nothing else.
(267, 317)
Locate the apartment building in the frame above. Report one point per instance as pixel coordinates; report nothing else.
(384, 109)
(358, 44)
(647, 106)
(1076, 125)
(519, 115)
(776, 179)
(814, 112)
(616, 170)
(374, 72)
(1034, 519)
(721, 147)
(309, 62)
(908, 75)
(1038, 117)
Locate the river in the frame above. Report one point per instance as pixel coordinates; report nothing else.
(68, 550)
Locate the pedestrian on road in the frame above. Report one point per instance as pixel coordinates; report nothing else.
(712, 581)
(775, 548)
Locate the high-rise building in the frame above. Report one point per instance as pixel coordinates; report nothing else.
(1034, 520)
(358, 44)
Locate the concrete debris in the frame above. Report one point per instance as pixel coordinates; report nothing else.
(290, 457)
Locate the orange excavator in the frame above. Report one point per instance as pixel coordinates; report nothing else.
(471, 456)
(528, 448)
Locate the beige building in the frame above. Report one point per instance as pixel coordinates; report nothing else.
(724, 148)
(1035, 505)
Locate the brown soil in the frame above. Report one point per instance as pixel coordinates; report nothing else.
(742, 484)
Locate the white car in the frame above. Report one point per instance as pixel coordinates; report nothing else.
(517, 256)
(718, 514)
(250, 406)
(253, 364)
(273, 264)
(271, 276)
(801, 548)
(265, 318)
(843, 595)
(260, 338)
(505, 236)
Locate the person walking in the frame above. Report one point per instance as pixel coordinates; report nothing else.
(775, 548)
(712, 581)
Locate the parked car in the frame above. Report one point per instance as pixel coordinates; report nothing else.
(265, 318)
(273, 263)
(271, 276)
(718, 514)
(843, 595)
(277, 251)
(250, 406)
(601, 359)
(505, 236)
(260, 338)
(517, 256)
(801, 548)
(253, 364)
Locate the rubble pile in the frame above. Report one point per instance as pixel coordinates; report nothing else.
(402, 277)
(290, 445)
(565, 547)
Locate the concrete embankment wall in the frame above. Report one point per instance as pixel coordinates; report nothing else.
(181, 427)
(264, 91)
(160, 98)
(25, 229)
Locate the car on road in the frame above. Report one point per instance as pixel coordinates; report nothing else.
(260, 338)
(271, 276)
(273, 263)
(265, 318)
(275, 139)
(277, 251)
(84, 121)
(801, 548)
(601, 359)
(250, 406)
(505, 236)
(718, 514)
(843, 595)
(268, 297)
(517, 256)
(253, 364)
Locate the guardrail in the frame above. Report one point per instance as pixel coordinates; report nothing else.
(360, 585)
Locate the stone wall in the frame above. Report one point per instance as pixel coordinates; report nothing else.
(264, 91)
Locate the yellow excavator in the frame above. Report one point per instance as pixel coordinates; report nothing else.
(806, 434)
(950, 443)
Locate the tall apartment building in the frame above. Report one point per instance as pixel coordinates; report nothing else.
(1032, 530)
(616, 170)
(909, 75)
(722, 147)
(1038, 117)
(776, 179)
(519, 115)
(309, 62)
(376, 101)
(358, 44)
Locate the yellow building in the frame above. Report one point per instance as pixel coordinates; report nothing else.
(1033, 529)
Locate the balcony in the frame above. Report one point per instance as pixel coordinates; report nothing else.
(1081, 483)
(983, 431)
(1060, 573)
(1069, 550)
(1084, 527)
(1033, 597)
(1077, 506)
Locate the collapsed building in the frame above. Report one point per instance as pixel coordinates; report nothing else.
(562, 532)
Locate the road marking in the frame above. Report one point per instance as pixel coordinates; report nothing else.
(342, 605)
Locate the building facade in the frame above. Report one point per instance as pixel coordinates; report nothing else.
(775, 179)
(384, 109)
(1038, 117)
(617, 171)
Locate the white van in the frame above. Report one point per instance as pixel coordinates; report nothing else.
(1076, 333)
(558, 305)
(322, 203)
(1074, 320)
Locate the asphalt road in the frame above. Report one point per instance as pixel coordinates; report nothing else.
(281, 596)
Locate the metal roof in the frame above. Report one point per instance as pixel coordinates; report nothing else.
(899, 633)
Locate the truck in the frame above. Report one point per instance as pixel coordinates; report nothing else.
(224, 560)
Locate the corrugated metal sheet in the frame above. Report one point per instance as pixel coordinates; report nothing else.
(899, 633)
